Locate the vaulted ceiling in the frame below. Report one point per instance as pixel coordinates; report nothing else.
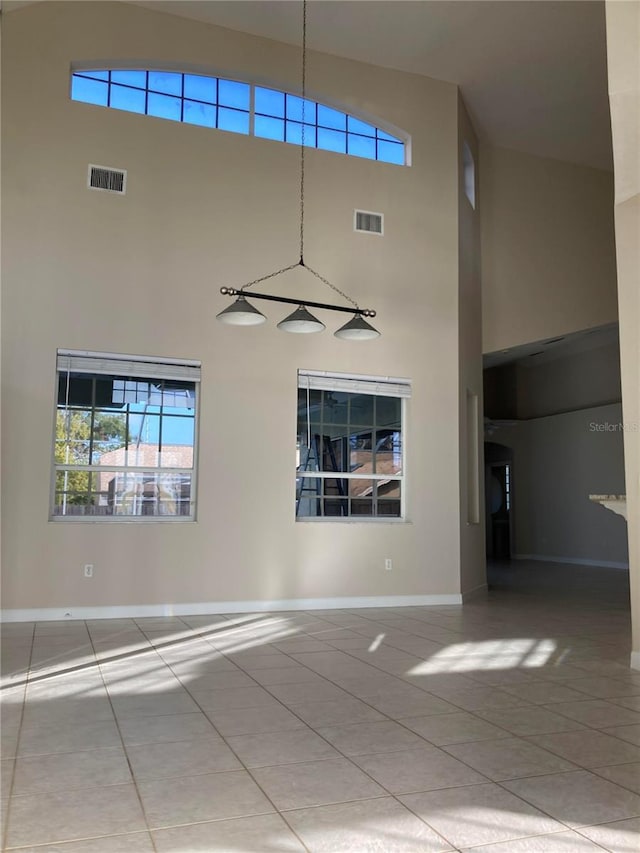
(533, 73)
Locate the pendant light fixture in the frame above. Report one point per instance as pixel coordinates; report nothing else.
(301, 321)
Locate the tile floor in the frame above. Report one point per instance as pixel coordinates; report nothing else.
(508, 725)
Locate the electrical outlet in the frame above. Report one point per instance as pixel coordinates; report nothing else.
(88, 570)
(388, 564)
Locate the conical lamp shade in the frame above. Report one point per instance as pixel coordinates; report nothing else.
(241, 313)
(301, 322)
(357, 329)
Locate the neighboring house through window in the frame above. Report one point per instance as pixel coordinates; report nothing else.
(125, 437)
(350, 451)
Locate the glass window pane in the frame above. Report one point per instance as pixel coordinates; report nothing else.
(294, 134)
(233, 120)
(269, 128)
(132, 100)
(199, 88)
(269, 103)
(391, 152)
(137, 79)
(75, 389)
(232, 94)
(164, 106)
(178, 431)
(361, 127)
(144, 435)
(73, 434)
(166, 82)
(202, 114)
(335, 407)
(89, 91)
(93, 73)
(361, 453)
(388, 411)
(132, 391)
(110, 436)
(388, 137)
(332, 140)
(334, 453)
(147, 493)
(361, 488)
(388, 452)
(75, 494)
(360, 146)
(176, 456)
(309, 505)
(331, 118)
(389, 492)
(301, 110)
(179, 395)
(362, 408)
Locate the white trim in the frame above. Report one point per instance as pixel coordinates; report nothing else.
(635, 660)
(47, 614)
(574, 561)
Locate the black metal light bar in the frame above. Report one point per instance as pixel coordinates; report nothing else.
(232, 291)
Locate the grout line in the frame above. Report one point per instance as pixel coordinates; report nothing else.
(5, 834)
(124, 749)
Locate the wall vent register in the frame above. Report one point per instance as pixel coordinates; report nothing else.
(109, 180)
(368, 222)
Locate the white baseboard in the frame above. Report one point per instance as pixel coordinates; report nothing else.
(635, 660)
(574, 561)
(48, 614)
(476, 592)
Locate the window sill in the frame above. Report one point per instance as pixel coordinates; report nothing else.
(119, 520)
(344, 520)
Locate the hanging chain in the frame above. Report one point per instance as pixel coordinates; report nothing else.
(301, 262)
(332, 286)
(304, 93)
(270, 275)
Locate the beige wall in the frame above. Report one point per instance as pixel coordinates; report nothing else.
(589, 378)
(548, 254)
(140, 274)
(472, 547)
(623, 62)
(558, 461)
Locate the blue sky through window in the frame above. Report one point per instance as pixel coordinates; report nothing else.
(236, 107)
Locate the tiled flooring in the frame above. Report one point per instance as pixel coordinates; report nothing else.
(509, 725)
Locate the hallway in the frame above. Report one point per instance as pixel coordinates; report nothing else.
(508, 725)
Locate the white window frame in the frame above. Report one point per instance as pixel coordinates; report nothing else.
(353, 383)
(141, 367)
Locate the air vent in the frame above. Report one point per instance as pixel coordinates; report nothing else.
(368, 222)
(109, 180)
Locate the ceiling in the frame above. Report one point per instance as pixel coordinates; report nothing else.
(541, 352)
(533, 73)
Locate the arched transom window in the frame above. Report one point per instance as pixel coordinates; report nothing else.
(237, 108)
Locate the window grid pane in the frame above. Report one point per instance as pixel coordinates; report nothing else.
(124, 447)
(349, 455)
(235, 107)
